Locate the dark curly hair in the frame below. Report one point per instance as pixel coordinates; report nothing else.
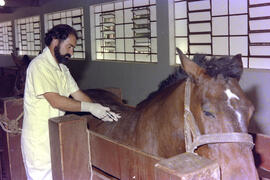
(61, 32)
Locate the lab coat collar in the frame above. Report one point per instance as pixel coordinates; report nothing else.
(52, 60)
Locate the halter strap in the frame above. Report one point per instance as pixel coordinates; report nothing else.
(193, 137)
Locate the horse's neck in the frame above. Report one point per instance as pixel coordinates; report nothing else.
(161, 122)
(173, 94)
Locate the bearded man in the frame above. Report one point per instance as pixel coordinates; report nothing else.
(48, 87)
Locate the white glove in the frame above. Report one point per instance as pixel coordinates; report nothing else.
(99, 111)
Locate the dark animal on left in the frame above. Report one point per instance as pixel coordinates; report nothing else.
(13, 82)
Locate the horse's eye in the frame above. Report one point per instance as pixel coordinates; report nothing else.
(207, 113)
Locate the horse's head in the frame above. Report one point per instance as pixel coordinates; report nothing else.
(219, 105)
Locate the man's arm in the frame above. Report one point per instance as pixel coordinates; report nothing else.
(63, 103)
(81, 96)
(81, 104)
(67, 104)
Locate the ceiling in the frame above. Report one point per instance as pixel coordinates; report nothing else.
(12, 5)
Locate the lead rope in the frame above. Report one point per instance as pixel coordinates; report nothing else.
(89, 155)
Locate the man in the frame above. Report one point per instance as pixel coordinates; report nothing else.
(48, 86)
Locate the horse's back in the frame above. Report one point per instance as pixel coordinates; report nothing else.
(122, 130)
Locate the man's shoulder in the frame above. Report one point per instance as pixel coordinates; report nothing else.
(37, 61)
(40, 62)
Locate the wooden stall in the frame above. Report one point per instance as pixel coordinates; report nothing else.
(73, 147)
(70, 153)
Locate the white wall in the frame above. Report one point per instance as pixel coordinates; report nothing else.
(256, 84)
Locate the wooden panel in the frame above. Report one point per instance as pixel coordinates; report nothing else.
(104, 155)
(136, 164)
(11, 158)
(187, 166)
(121, 161)
(100, 175)
(69, 148)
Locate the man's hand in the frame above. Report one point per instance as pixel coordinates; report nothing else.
(99, 111)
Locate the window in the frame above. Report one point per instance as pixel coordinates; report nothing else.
(124, 31)
(6, 41)
(74, 18)
(224, 27)
(28, 35)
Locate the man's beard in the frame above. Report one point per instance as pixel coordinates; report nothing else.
(61, 58)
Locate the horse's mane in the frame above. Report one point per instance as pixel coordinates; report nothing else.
(225, 65)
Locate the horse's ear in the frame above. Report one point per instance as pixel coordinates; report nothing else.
(238, 66)
(238, 59)
(16, 60)
(189, 66)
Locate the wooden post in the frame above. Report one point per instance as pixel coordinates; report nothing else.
(69, 148)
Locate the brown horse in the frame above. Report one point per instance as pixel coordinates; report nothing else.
(213, 101)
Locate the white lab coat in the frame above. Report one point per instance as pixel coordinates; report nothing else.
(43, 75)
